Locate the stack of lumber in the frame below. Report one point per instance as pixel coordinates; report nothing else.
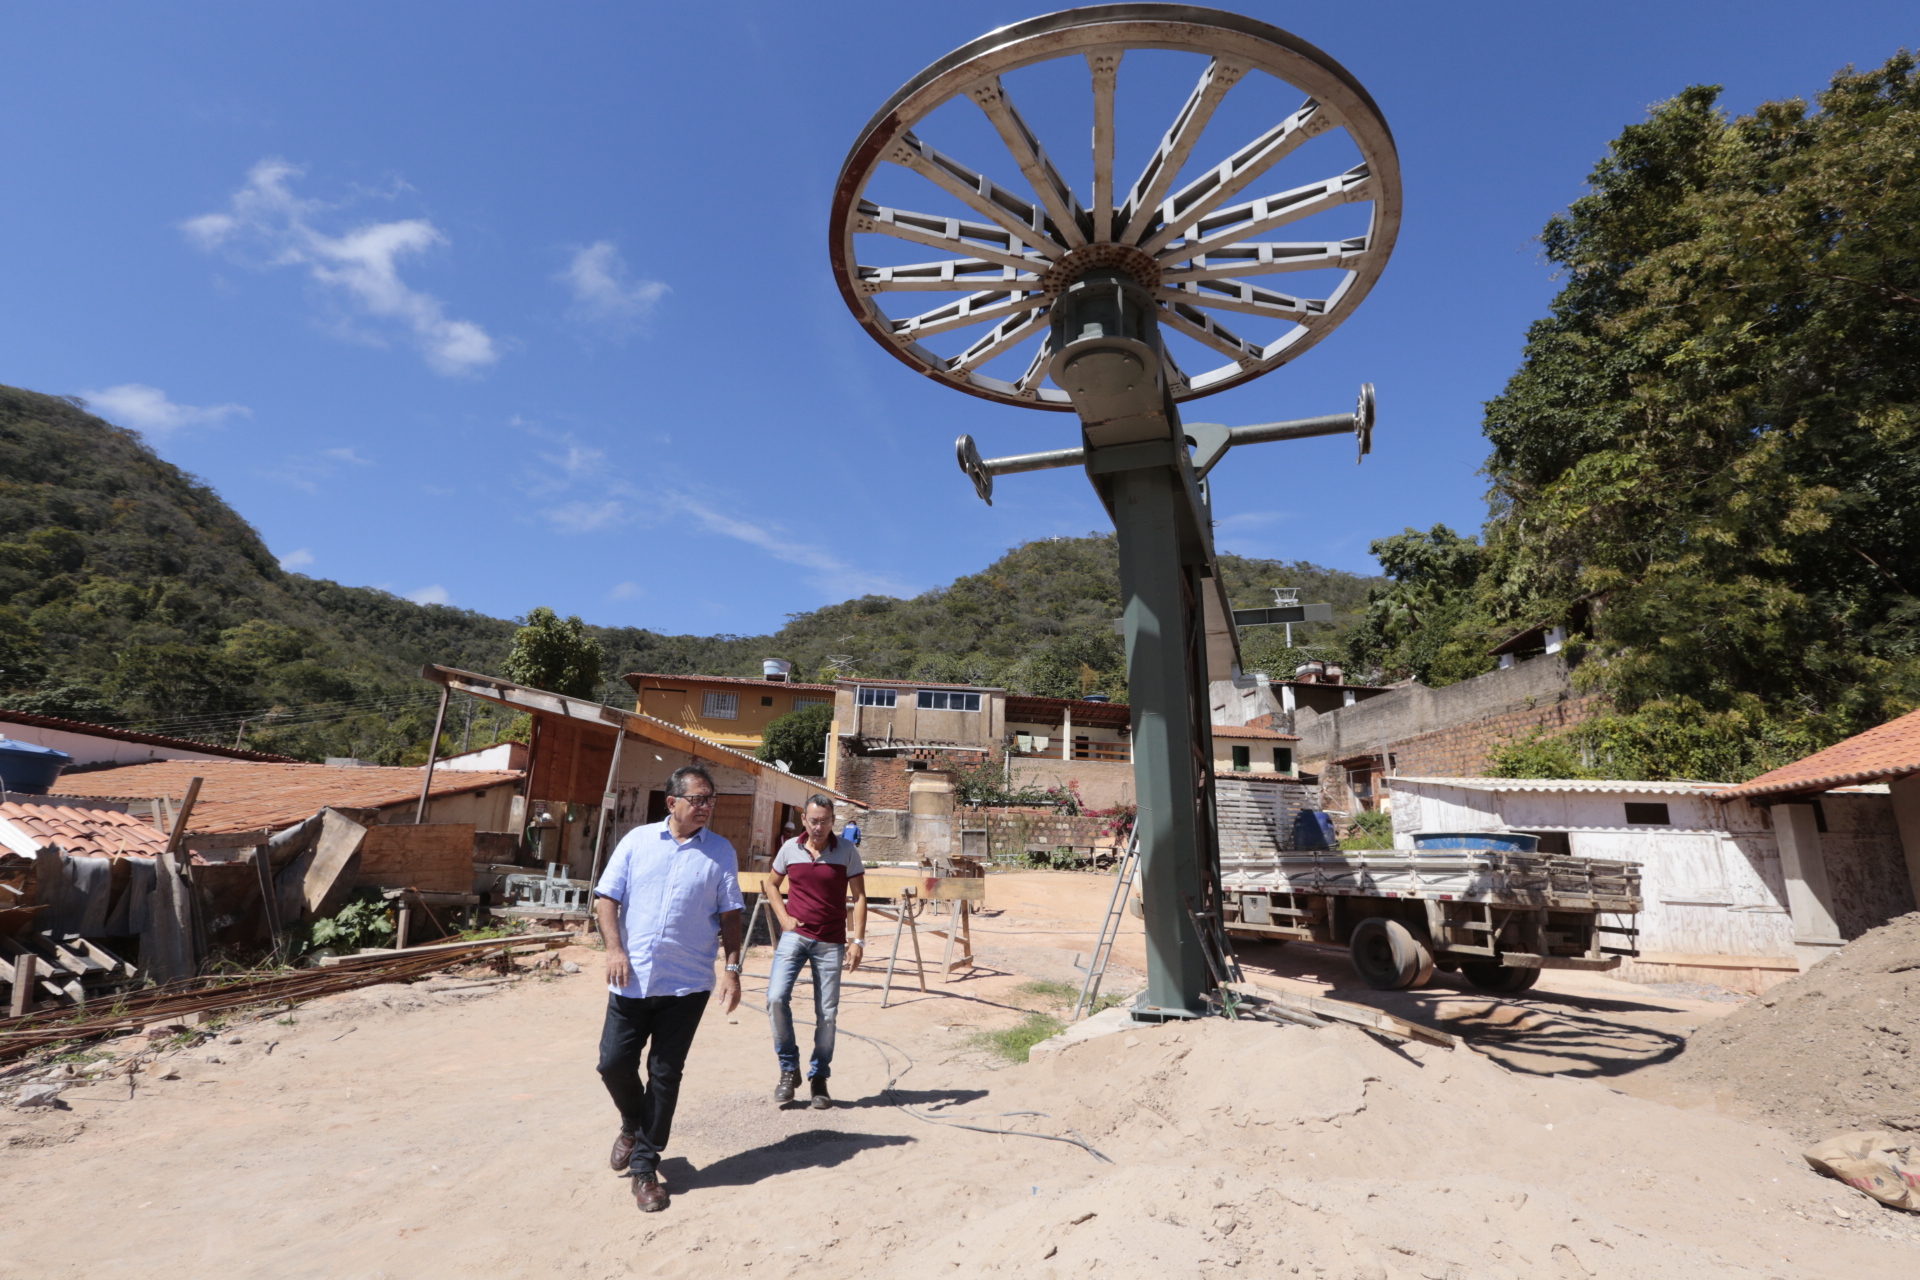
(67, 970)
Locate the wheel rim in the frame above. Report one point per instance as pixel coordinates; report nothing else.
(1199, 245)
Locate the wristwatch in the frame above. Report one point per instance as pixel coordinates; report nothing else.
(733, 968)
(858, 942)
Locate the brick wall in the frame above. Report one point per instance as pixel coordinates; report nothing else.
(1464, 751)
(881, 781)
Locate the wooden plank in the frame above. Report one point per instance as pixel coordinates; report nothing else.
(23, 975)
(326, 884)
(516, 944)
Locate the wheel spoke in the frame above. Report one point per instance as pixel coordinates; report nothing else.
(1029, 383)
(1256, 217)
(1022, 219)
(1062, 205)
(994, 304)
(952, 275)
(1253, 258)
(1204, 329)
(1143, 203)
(1233, 175)
(1009, 333)
(955, 235)
(1229, 295)
(1105, 66)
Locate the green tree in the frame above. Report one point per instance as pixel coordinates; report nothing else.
(1424, 621)
(799, 738)
(1715, 434)
(558, 656)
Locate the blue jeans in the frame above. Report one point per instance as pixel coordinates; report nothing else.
(796, 949)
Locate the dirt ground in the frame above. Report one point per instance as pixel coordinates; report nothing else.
(451, 1130)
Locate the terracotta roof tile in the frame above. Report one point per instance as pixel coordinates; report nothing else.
(242, 796)
(88, 832)
(638, 677)
(1252, 731)
(1878, 755)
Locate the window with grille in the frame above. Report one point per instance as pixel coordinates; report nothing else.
(721, 706)
(948, 700)
(801, 704)
(877, 697)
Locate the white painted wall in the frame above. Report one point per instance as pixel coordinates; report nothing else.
(85, 748)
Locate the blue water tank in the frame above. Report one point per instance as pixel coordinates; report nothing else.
(1312, 829)
(29, 768)
(1509, 841)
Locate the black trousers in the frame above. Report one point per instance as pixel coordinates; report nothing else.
(646, 1111)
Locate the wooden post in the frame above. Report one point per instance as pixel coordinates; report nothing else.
(433, 751)
(400, 929)
(24, 976)
(608, 800)
(269, 897)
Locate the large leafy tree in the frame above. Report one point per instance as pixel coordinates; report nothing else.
(1422, 621)
(555, 654)
(1716, 432)
(800, 739)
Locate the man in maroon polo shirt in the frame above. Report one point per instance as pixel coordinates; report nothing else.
(818, 872)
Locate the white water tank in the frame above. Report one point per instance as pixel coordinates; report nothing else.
(777, 669)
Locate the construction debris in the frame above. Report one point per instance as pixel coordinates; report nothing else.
(169, 1005)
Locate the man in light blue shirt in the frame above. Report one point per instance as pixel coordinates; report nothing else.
(669, 891)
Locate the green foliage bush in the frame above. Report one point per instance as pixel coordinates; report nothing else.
(799, 738)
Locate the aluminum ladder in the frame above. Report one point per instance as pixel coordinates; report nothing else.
(1123, 877)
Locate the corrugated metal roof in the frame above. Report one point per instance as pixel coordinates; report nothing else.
(1721, 790)
(1576, 784)
(1885, 754)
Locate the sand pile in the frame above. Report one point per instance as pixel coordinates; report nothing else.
(1835, 1049)
(1248, 1149)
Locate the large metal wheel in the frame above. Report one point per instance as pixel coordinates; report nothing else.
(1200, 245)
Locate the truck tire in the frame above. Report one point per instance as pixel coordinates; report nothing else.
(1388, 956)
(1500, 978)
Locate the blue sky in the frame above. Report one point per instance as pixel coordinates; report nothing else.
(510, 305)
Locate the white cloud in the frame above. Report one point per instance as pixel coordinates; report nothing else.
(296, 560)
(625, 591)
(144, 408)
(587, 517)
(829, 572)
(603, 295)
(347, 455)
(435, 594)
(270, 226)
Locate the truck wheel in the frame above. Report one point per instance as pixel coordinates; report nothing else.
(1388, 956)
(1500, 978)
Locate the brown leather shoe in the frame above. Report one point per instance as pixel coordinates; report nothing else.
(648, 1194)
(622, 1151)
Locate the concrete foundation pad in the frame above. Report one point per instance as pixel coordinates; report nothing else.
(1104, 1023)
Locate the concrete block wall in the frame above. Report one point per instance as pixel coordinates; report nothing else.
(1466, 750)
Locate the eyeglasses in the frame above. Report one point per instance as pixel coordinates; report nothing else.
(698, 802)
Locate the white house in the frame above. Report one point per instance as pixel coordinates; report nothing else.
(1711, 876)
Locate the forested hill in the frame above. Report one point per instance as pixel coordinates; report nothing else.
(131, 594)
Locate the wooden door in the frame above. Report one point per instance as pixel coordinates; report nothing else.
(733, 818)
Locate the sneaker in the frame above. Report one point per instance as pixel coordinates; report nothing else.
(789, 1081)
(820, 1099)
